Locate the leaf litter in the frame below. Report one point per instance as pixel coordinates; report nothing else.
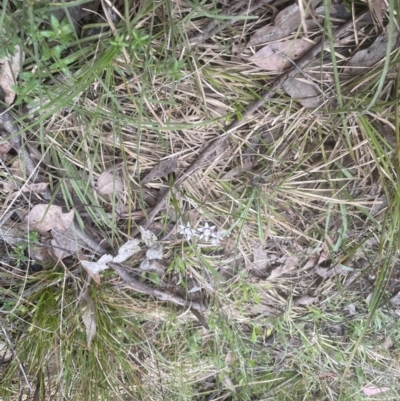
(288, 264)
(368, 57)
(286, 21)
(44, 218)
(127, 250)
(278, 55)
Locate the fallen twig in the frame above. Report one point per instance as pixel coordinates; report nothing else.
(145, 289)
(278, 83)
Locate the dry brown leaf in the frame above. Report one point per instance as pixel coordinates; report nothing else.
(89, 319)
(163, 168)
(287, 21)
(277, 56)
(290, 264)
(46, 217)
(38, 188)
(306, 93)
(108, 184)
(368, 57)
(260, 259)
(65, 242)
(10, 67)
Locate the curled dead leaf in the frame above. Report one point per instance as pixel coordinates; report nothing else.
(88, 314)
(368, 57)
(38, 188)
(278, 56)
(127, 250)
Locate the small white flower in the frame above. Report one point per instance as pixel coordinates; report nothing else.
(206, 232)
(218, 236)
(187, 231)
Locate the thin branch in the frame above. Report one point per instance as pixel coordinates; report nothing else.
(145, 289)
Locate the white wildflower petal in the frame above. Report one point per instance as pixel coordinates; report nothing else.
(187, 231)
